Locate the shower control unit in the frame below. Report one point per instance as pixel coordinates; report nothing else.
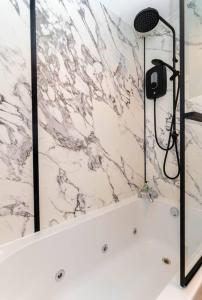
(156, 82)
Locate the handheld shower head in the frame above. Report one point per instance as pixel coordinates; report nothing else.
(146, 20)
(159, 62)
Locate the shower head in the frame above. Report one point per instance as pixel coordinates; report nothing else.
(159, 62)
(146, 20)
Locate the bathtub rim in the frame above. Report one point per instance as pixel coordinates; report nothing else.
(10, 248)
(173, 290)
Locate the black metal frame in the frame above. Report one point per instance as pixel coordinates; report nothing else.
(184, 279)
(34, 115)
(145, 125)
(174, 68)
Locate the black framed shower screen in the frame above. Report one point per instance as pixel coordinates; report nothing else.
(185, 278)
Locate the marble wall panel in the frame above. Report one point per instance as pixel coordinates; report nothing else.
(90, 88)
(16, 201)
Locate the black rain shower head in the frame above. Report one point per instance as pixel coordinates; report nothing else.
(146, 20)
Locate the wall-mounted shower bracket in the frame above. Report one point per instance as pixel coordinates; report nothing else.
(193, 115)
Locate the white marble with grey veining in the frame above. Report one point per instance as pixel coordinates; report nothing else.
(90, 88)
(16, 202)
(193, 93)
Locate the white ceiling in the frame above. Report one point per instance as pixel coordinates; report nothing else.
(127, 9)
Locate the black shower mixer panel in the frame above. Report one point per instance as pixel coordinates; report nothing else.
(156, 82)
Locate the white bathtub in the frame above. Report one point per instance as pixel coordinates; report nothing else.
(138, 234)
(193, 252)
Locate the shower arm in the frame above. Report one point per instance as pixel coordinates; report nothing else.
(174, 67)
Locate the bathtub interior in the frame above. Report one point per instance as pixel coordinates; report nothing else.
(121, 258)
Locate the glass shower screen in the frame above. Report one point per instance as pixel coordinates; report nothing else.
(191, 138)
